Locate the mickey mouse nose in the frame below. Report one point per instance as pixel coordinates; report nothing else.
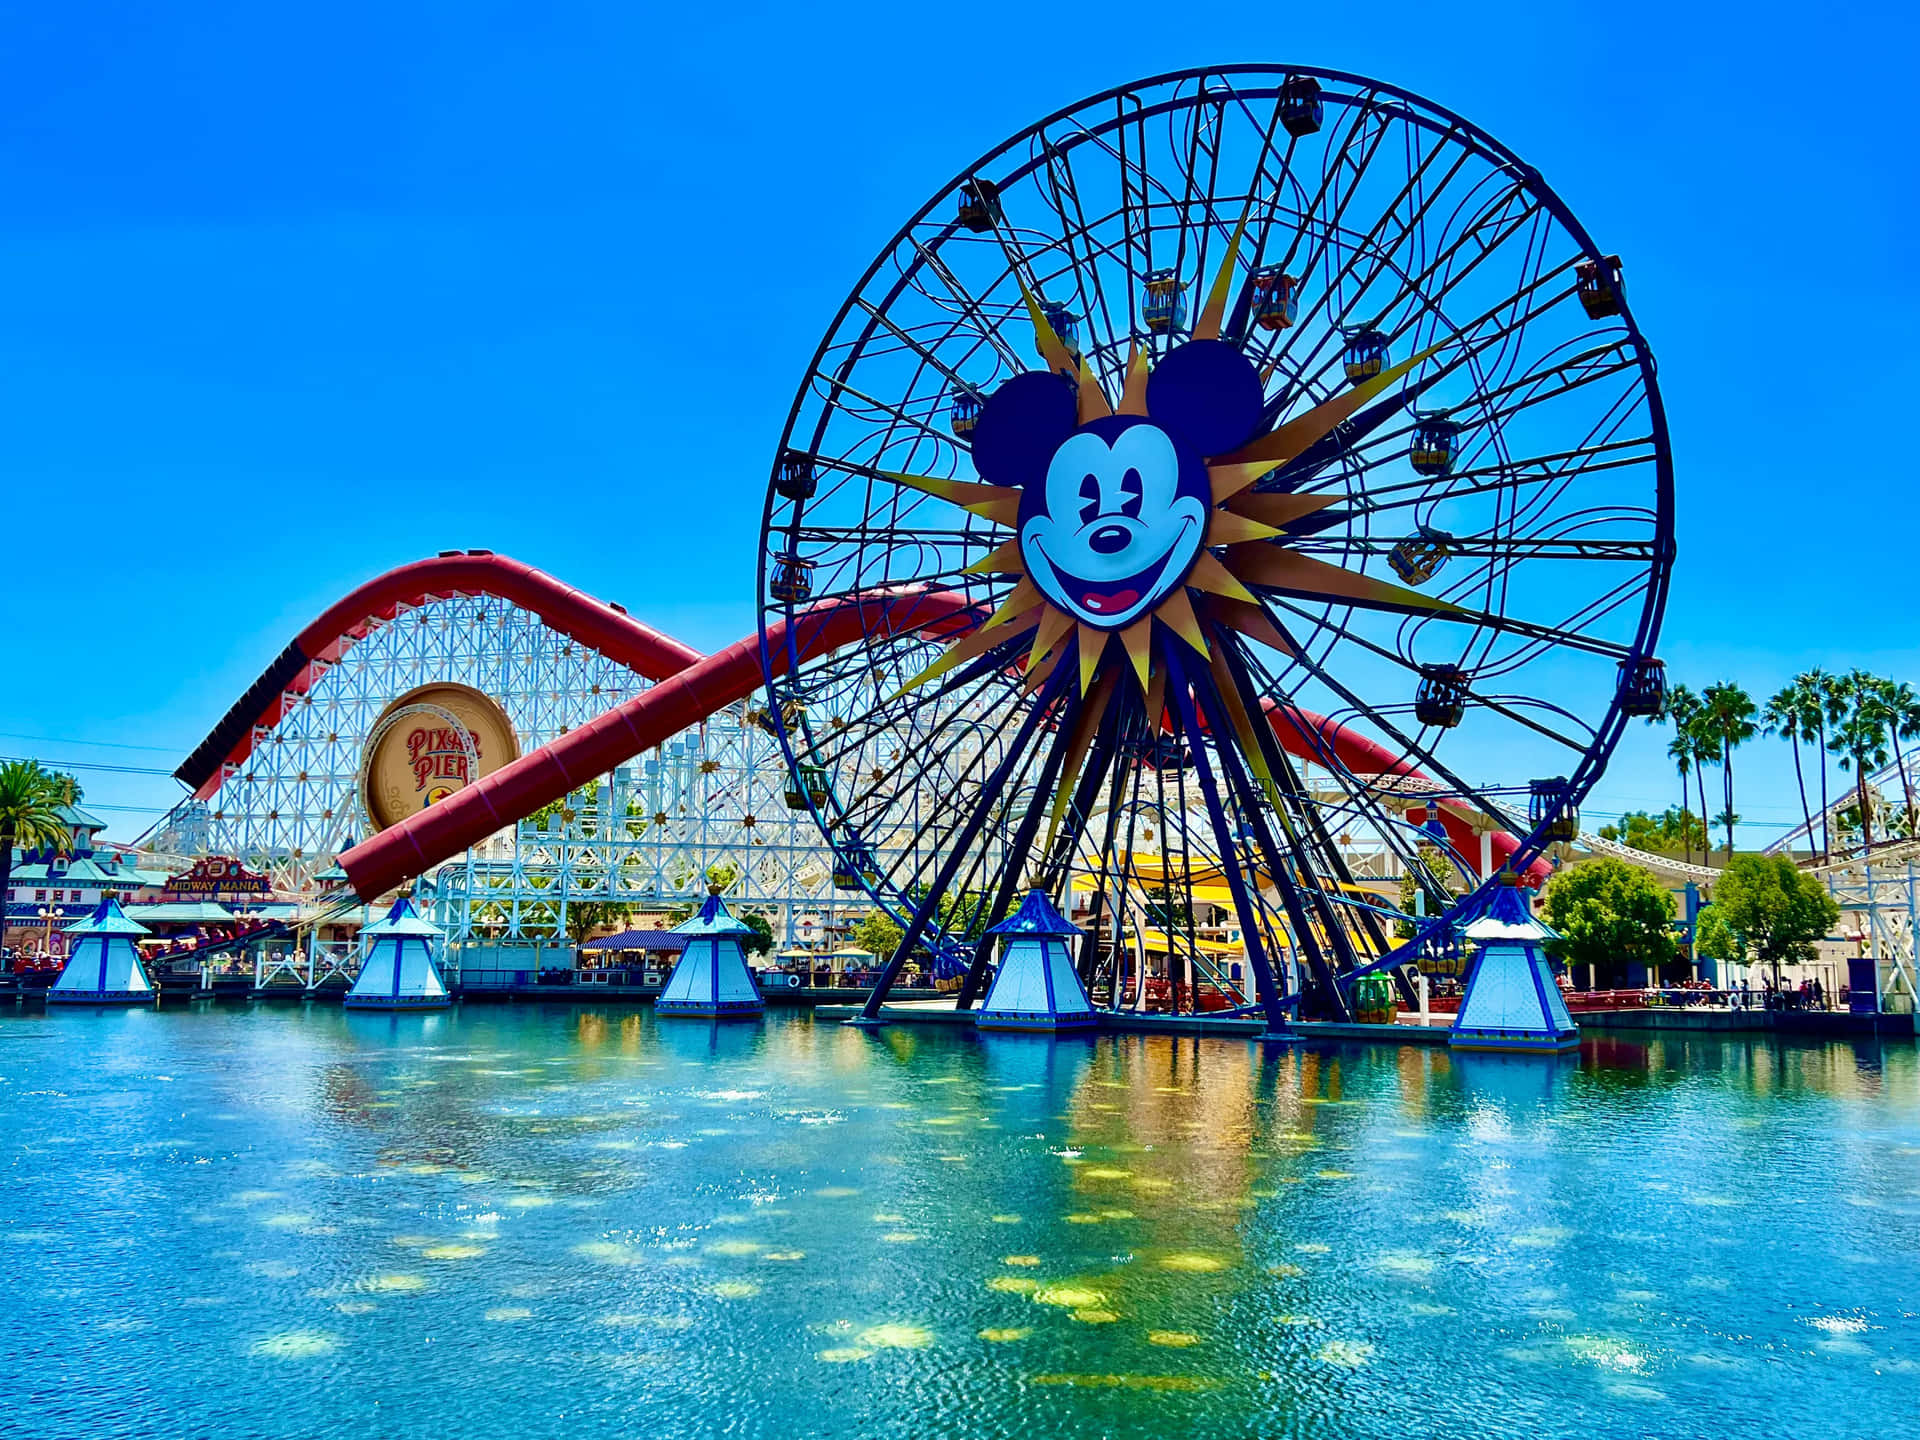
(1109, 539)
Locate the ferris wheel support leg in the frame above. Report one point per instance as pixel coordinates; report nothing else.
(957, 851)
(1264, 981)
(1277, 765)
(1015, 862)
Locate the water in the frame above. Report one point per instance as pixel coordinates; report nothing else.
(583, 1222)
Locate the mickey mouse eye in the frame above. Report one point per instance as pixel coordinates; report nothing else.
(1090, 493)
(1130, 488)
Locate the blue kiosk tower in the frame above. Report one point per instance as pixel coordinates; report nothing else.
(711, 978)
(103, 967)
(1512, 1002)
(398, 972)
(1036, 986)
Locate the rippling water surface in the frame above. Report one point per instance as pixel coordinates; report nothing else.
(581, 1222)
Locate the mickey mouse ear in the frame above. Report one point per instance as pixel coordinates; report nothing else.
(1207, 394)
(1021, 425)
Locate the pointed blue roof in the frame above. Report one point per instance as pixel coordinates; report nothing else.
(1036, 916)
(403, 919)
(107, 919)
(72, 816)
(712, 918)
(1510, 917)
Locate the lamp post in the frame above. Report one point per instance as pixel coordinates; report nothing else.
(49, 914)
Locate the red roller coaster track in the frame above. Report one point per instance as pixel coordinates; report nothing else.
(688, 688)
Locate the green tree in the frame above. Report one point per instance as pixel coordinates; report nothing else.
(1658, 834)
(28, 795)
(760, 941)
(586, 916)
(1715, 939)
(1776, 907)
(66, 789)
(878, 933)
(1610, 914)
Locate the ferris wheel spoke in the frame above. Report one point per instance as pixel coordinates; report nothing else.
(972, 310)
(1412, 752)
(1513, 547)
(1522, 470)
(1414, 672)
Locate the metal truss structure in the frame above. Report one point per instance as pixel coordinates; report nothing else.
(1878, 895)
(711, 798)
(710, 805)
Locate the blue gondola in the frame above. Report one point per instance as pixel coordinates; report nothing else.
(1366, 354)
(808, 786)
(1418, 558)
(1441, 699)
(1600, 283)
(1642, 686)
(979, 205)
(1435, 443)
(792, 579)
(1064, 323)
(795, 481)
(1165, 309)
(963, 410)
(1276, 298)
(1553, 798)
(1302, 111)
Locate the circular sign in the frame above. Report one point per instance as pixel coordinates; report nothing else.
(429, 743)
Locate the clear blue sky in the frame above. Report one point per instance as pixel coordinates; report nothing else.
(296, 293)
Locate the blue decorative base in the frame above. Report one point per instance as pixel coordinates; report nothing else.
(712, 1009)
(1041, 1022)
(100, 997)
(1515, 1043)
(400, 1002)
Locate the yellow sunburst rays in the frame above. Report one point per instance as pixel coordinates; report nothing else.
(1235, 554)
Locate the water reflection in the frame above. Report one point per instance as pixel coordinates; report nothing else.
(724, 1226)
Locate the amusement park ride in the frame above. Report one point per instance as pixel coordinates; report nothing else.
(1199, 490)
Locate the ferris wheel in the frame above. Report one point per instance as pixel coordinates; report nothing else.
(1201, 436)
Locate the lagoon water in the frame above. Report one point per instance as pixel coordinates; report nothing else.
(581, 1222)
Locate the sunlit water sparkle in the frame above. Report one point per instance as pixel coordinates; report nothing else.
(542, 1221)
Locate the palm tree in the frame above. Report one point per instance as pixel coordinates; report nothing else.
(28, 816)
(1680, 751)
(1678, 710)
(1860, 740)
(1903, 723)
(1727, 718)
(1706, 751)
(1827, 694)
(1782, 717)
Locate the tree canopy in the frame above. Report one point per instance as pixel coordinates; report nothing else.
(760, 942)
(1715, 939)
(878, 933)
(1610, 914)
(1673, 831)
(1775, 907)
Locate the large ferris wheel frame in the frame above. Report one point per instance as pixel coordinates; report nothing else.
(992, 739)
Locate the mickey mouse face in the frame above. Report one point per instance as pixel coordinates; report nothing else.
(1113, 529)
(1114, 512)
